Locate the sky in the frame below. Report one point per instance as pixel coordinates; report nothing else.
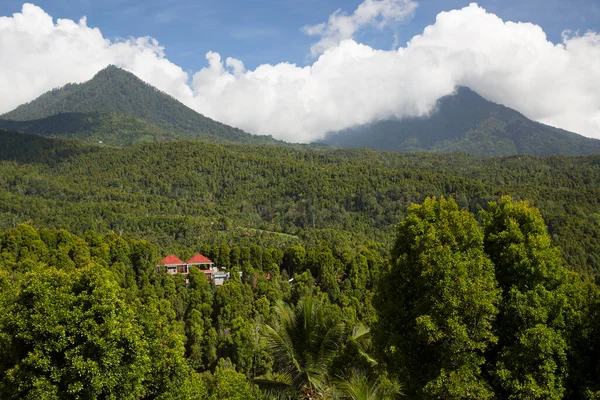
(297, 69)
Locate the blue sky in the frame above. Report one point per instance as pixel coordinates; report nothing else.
(269, 31)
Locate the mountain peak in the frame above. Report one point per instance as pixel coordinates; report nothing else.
(110, 68)
(116, 91)
(112, 89)
(466, 122)
(112, 73)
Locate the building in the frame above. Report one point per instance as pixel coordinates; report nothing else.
(203, 264)
(175, 266)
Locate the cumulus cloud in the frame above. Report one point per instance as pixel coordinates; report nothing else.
(38, 54)
(348, 84)
(340, 26)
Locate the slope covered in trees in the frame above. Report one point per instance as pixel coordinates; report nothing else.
(111, 129)
(178, 191)
(114, 106)
(183, 193)
(92, 317)
(466, 122)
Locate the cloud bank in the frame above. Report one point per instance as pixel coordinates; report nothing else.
(348, 84)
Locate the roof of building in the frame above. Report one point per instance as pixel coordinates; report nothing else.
(199, 259)
(171, 259)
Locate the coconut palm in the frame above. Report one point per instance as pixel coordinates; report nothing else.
(359, 386)
(303, 347)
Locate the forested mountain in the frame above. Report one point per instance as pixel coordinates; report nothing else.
(466, 122)
(118, 108)
(184, 193)
(112, 129)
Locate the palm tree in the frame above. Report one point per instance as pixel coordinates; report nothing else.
(303, 346)
(359, 386)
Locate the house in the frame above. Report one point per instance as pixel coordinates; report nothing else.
(175, 266)
(203, 264)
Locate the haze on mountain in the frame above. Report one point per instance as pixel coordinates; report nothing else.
(466, 122)
(118, 108)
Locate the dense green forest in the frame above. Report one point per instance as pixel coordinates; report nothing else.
(364, 275)
(109, 129)
(182, 194)
(452, 256)
(460, 309)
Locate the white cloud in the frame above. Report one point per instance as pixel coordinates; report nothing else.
(509, 63)
(38, 55)
(340, 26)
(350, 83)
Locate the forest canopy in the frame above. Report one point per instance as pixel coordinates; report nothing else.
(463, 306)
(185, 194)
(353, 274)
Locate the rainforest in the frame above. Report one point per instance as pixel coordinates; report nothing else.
(355, 274)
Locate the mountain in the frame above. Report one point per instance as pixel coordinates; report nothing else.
(106, 128)
(466, 122)
(118, 108)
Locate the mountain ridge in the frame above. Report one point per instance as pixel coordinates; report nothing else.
(466, 122)
(114, 90)
(116, 108)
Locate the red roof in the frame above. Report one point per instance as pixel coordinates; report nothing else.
(199, 259)
(171, 259)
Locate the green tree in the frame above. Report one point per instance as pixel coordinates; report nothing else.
(227, 384)
(170, 376)
(294, 260)
(438, 303)
(201, 347)
(539, 303)
(236, 326)
(70, 335)
(326, 268)
(303, 344)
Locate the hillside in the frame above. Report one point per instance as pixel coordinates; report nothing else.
(112, 129)
(188, 192)
(117, 107)
(466, 122)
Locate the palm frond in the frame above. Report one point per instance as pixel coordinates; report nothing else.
(276, 386)
(329, 343)
(282, 349)
(360, 335)
(360, 332)
(360, 386)
(303, 346)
